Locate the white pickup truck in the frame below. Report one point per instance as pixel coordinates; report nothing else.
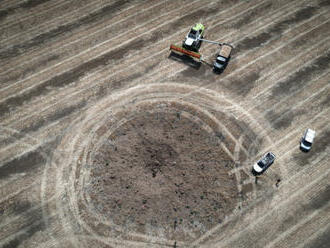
(263, 164)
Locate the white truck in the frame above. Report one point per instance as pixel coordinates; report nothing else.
(263, 164)
(307, 140)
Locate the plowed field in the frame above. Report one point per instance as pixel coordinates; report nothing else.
(108, 141)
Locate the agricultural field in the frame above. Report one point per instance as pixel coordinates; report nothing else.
(108, 140)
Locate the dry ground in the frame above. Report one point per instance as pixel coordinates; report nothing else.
(106, 141)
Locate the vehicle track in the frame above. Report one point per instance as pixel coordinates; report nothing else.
(255, 104)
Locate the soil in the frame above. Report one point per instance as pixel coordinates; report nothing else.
(160, 169)
(87, 159)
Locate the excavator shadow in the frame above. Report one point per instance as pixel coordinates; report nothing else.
(182, 58)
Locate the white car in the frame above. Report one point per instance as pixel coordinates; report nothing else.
(264, 163)
(307, 140)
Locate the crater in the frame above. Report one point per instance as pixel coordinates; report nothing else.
(153, 163)
(161, 170)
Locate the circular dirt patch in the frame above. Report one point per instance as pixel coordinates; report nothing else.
(161, 169)
(154, 164)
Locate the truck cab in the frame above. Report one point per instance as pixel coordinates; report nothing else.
(307, 140)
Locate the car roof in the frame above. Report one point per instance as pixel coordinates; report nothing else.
(309, 136)
(268, 157)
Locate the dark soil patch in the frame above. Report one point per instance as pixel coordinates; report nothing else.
(31, 161)
(160, 168)
(275, 31)
(324, 3)
(46, 120)
(320, 200)
(243, 85)
(25, 5)
(31, 3)
(251, 15)
(284, 118)
(301, 77)
(105, 13)
(32, 221)
(322, 241)
(23, 164)
(247, 188)
(31, 68)
(61, 80)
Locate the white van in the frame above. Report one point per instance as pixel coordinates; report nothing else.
(307, 140)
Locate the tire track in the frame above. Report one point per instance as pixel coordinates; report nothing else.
(291, 133)
(257, 92)
(93, 128)
(126, 34)
(44, 38)
(316, 239)
(282, 118)
(30, 31)
(318, 65)
(301, 224)
(9, 10)
(119, 104)
(275, 118)
(304, 172)
(25, 233)
(27, 15)
(249, 236)
(300, 191)
(81, 36)
(137, 40)
(25, 212)
(250, 62)
(77, 238)
(283, 184)
(257, 58)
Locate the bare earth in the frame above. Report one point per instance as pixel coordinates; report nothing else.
(108, 141)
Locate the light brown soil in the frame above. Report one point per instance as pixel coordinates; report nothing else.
(79, 79)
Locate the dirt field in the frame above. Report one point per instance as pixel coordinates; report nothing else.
(107, 141)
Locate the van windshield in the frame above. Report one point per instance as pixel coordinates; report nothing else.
(221, 60)
(306, 143)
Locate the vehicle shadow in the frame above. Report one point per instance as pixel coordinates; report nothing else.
(303, 150)
(254, 173)
(185, 60)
